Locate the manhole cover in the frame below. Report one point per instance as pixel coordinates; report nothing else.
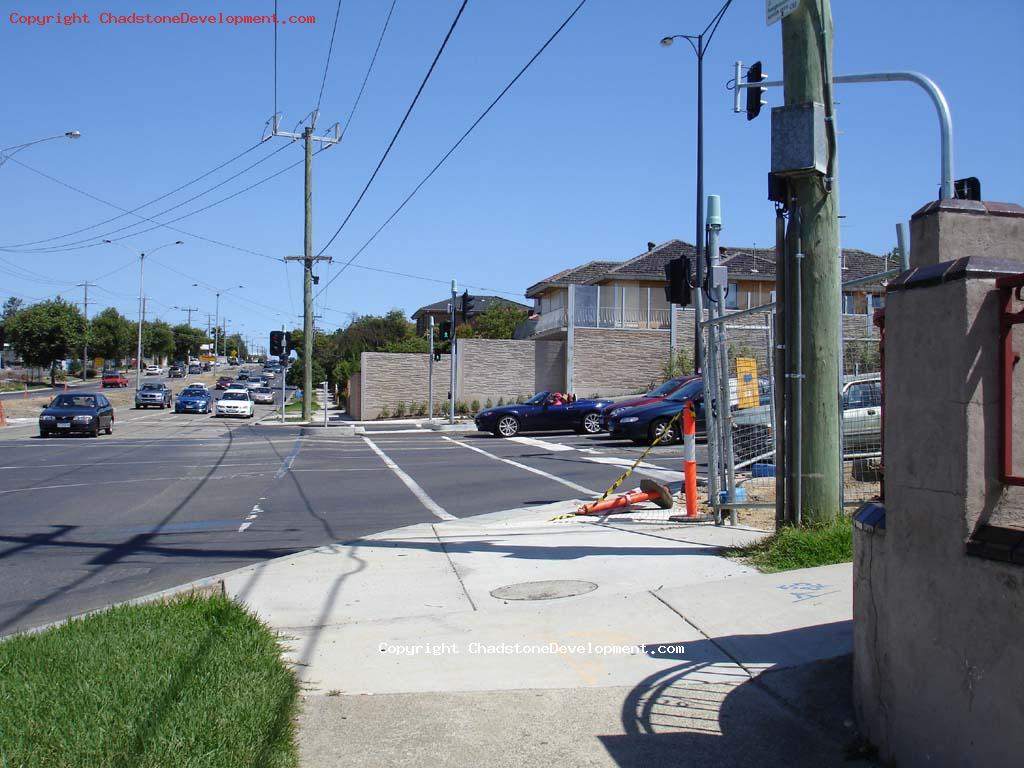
(543, 590)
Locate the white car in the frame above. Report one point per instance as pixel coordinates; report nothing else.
(263, 395)
(154, 370)
(236, 386)
(235, 403)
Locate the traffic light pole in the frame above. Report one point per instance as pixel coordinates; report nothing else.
(452, 359)
(430, 372)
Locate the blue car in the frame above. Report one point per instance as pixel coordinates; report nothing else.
(193, 400)
(643, 423)
(542, 412)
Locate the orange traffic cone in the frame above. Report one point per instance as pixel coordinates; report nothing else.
(690, 467)
(649, 491)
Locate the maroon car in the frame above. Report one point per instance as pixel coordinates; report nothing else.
(224, 382)
(655, 395)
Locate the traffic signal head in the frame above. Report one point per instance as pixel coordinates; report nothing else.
(467, 305)
(446, 331)
(677, 273)
(277, 343)
(754, 94)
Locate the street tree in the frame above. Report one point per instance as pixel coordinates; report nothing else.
(11, 307)
(157, 340)
(187, 340)
(111, 335)
(498, 321)
(46, 333)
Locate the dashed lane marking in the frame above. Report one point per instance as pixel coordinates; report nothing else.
(411, 484)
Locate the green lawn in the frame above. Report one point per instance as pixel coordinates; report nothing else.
(193, 682)
(800, 547)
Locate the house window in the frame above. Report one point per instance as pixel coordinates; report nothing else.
(732, 298)
(849, 304)
(877, 301)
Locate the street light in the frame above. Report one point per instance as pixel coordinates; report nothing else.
(18, 147)
(216, 327)
(700, 44)
(142, 262)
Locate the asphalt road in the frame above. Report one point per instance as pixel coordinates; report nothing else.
(170, 498)
(96, 385)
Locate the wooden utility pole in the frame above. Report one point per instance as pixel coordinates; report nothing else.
(814, 209)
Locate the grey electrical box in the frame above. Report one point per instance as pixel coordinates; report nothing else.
(799, 142)
(719, 278)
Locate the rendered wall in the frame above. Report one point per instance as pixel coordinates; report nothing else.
(938, 651)
(611, 362)
(945, 230)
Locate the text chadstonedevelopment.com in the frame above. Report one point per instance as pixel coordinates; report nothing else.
(63, 18)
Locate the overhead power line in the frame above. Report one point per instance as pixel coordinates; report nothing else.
(457, 144)
(369, 69)
(139, 207)
(398, 131)
(327, 64)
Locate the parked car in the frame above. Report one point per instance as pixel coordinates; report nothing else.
(153, 395)
(154, 370)
(262, 395)
(862, 416)
(655, 395)
(642, 424)
(235, 403)
(175, 372)
(115, 379)
(541, 412)
(193, 400)
(85, 413)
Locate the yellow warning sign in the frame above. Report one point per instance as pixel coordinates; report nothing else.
(746, 383)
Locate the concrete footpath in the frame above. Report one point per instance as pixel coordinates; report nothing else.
(511, 639)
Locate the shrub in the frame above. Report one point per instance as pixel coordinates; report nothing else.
(489, 403)
(385, 413)
(474, 407)
(461, 408)
(400, 409)
(520, 399)
(501, 401)
(421, 408)
(444, 407)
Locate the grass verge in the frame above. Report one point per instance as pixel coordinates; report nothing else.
(296, 407)
(197, 681)
(800, 547)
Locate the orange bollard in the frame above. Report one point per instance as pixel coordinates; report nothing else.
(649, 491)
(25, 394)
(690, 458)
(3, 416)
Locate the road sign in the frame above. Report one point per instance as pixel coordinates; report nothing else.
(774, 10)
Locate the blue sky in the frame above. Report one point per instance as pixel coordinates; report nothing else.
(590, 156)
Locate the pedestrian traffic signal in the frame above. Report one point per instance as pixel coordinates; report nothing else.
(677, 273)
(446, 331)
(277, 343)
(754, 94)
(437, 355)
(467, 306)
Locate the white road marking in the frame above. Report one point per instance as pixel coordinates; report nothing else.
(411, 484)
(243, 526)
(252, 516)
(537, 443)
(541, 472)
(651, 470)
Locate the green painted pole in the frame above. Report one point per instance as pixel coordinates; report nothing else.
(807, 72)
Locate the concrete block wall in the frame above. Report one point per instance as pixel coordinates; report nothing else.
(611, 362)
(938, 661)
(388, 378)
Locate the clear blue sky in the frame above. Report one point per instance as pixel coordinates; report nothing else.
(588, 157)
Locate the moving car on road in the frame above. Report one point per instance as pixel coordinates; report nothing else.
(224, 382)
(86, 414)
(262, 395)
(235, 402)
(642, 424)
(194, 368)
(153, 395)
(193, 399)
(115, 379)
(154, 370)
(543, 411)
(176, 372)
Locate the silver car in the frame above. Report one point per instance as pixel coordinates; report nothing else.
(262, 395)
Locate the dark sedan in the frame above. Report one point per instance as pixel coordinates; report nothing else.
(83, 414)
(654, 396)
(542, 412)
(643, 423)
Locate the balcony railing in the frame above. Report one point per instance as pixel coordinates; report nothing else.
(619, 317)
(605, 317)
